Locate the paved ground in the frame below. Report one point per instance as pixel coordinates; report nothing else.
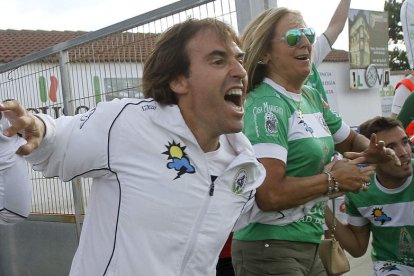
(360, 266)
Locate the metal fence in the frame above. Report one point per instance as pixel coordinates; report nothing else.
(73, 76)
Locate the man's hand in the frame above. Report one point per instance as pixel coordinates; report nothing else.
(376, 153)
(22, 122)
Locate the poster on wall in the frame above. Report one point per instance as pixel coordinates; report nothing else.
(368, 49)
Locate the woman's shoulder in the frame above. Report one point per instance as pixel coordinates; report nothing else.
(267, 100)
(311, 90)
(313, 94)
(265, 91)
(262, 89)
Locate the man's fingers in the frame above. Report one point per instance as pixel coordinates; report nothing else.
(12, 108)
(23, 123)
(27, 148)
(24, 150)
(373, 139)
(353, 155)
(381, 144)
(19, 124)
(393, 156)
(17, 116)
(357, 160)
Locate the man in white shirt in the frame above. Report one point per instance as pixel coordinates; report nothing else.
(171, 173)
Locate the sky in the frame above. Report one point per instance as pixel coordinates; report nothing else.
(91, 15)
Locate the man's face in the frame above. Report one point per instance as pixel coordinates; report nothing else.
(397, 140)
(211, 98)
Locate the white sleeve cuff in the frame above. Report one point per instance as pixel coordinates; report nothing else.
(342, 133)
(269, 150)
(357, 221)
(45, 148)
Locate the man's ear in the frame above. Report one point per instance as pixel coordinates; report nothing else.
(179, 85)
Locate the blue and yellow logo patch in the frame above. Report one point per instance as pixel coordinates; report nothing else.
(380, 216)
(179, 160)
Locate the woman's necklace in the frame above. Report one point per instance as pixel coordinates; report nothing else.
(297, 104)
(298, 109)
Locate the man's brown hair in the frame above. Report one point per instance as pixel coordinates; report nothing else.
(169, 59)
(378, 124)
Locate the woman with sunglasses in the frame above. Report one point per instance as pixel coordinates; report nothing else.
(294, 134)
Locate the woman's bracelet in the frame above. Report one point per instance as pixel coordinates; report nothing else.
(330, 180)
(336, 185)
(333, 185)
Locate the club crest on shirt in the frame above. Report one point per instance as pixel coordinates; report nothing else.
(239, 181)
(387, 267)
(406, 242)
(179, 159)
(380, 216)
(270, 121)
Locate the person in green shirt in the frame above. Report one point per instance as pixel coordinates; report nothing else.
(406, 117)
(321, 48)
(294, 135)
(385, 211)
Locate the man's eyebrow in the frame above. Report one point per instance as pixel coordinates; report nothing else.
(217, 53)
(221, 53)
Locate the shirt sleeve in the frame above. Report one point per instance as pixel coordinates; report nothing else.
(354, 216)
(76, 145)
(401, 94)
(320, 49)
(266, 126)
(406, 115)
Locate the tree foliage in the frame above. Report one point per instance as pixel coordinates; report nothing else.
(397, 55)
(398, 59)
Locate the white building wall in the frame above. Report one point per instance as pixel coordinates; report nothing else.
(355, 106)
(90, 83)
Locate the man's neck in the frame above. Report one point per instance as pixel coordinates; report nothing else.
(390, 183)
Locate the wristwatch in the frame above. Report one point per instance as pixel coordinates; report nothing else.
(371, 75)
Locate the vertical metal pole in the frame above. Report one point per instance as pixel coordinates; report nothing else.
(68, 109)
(66, 85)
(246, 10)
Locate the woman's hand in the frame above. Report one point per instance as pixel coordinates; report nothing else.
(351, 175)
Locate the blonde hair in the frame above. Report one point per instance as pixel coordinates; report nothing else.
(256, 42)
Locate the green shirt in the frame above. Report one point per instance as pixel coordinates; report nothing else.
(406, 115)
(390, 217)
(274, 128)
(314, 80)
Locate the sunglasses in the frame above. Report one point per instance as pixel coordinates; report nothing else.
(293, 36)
